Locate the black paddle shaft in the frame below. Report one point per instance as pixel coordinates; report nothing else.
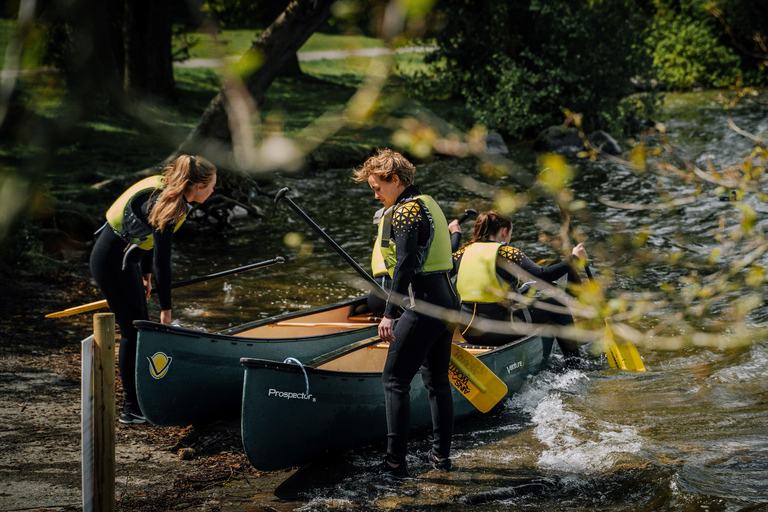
(376, 287)
(278, 259)
(253, 266)
(469, 212)
(570, 230)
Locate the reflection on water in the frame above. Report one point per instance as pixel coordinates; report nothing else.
(689, 434)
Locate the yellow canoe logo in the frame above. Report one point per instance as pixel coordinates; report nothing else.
(158, 365)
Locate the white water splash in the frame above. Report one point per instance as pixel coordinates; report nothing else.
(574, 443)
(538, 387)
(754, 370)
(229, 293)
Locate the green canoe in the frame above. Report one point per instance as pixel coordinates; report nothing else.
(186, 376)
(294, 413)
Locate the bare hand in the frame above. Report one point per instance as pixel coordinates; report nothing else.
(147, 279)
(454, 226)
(580, 252)
(165, 317)
(385, 329)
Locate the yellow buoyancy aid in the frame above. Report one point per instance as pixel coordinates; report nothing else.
(476, 280)
(434, 257)
(124, 221)
(383, 258)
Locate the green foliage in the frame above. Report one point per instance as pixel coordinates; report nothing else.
(687, 52)
(536, 59)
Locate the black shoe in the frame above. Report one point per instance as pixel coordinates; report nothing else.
(440, 465)
(400, 471)
(132, 418)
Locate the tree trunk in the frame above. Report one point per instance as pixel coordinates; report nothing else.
(278, 45)
(147, 40)
(291, 67)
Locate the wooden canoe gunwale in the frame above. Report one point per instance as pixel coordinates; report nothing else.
(311, 367)
(233, 331)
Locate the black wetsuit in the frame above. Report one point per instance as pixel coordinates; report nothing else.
(124, 289)
(495, 311)
(420, 341)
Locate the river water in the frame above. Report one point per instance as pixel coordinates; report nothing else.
(689, 434)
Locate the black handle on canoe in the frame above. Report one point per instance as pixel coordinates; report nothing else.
(469, 212)
(280, 196)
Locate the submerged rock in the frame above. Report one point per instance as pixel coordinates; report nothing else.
(557, 139)
(494, 144)
(605, 143)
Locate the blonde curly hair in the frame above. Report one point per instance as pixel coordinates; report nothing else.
(384, 165)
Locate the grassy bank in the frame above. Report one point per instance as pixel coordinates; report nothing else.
(108, 143)
(105, 143)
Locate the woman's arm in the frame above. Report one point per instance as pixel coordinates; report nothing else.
(162, 264)
(406, 222)
(549, 274)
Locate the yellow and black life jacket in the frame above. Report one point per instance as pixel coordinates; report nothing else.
(436, 255)
(383, 258)
(477, 280)
(126, 223)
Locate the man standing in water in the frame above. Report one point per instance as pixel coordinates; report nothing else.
(419, 233)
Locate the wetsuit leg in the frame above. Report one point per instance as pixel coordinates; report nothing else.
(569, 348)
(417, 339)
(434, 373)
(124, 291)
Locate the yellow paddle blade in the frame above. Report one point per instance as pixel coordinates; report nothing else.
(474, 380)
(78, 309)
(623, 354)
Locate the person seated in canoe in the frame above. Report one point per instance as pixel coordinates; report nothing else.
(136, 240)
(415, 244)
(487, 268)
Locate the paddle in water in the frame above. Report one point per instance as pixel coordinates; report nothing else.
(622, 355)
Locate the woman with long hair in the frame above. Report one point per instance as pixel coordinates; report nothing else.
(487, 269)
(136, 240)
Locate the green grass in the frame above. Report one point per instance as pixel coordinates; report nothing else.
(232, 43)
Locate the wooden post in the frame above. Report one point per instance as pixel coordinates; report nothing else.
(104, 413)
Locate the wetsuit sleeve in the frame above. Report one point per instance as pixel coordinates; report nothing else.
(455, 241)
(457, 261)
(162, 264)
(549, 274)
(407, 226)
(146, 262)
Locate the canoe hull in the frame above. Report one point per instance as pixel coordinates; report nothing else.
(283, 425)
(185, 376)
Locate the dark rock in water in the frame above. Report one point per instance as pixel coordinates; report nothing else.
(557, 139)
(605, 143)
(494, 144)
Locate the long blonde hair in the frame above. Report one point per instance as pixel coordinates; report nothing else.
(186, 171)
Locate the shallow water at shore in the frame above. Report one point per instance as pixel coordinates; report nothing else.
(691, 433)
